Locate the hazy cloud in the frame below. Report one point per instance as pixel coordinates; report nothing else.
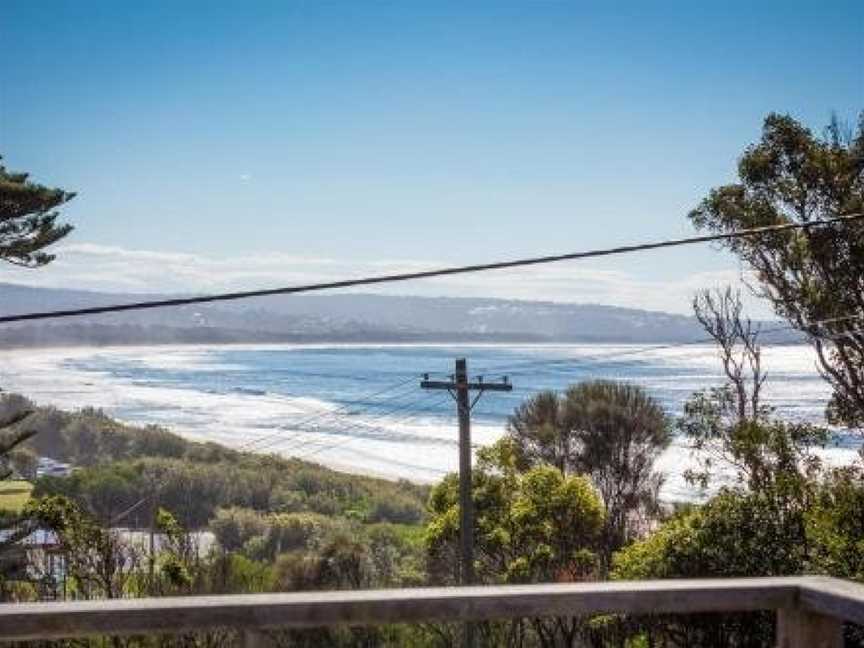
(112, 268)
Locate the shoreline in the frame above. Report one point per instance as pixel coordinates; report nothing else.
(234, 394)
(263, 346)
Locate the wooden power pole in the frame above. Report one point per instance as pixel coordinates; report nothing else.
(460, 388)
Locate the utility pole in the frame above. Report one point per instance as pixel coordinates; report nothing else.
(460, 388)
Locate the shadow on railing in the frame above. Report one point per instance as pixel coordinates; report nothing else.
(810, 610)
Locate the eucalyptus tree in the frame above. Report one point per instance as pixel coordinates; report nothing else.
(813, 277)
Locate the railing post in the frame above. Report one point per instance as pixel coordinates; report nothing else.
(797, 628)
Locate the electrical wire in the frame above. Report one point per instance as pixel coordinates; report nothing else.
(425, 274)
(354, 426)
(55, 314)
(345, 407)
(322, 416)
(412, 415)
(335, 414)
(411, 406)
(521, 366)
(160, 487)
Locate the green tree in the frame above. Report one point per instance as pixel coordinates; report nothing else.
(812, 277)
(28, 225)
(835, 532)
(12, 434)
(536, 526)
(396, 555)
(744, 533)
(177, 558)
(730, 426)
(539, 525)
(99, 562)
(28, 219)
(835, 525)
(541, 432)
(13, 526)
(784, 516)
(734, 534)
(612, 432)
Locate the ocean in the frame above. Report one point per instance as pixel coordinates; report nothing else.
(360, 408)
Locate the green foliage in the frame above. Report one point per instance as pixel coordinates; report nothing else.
(342, 563)
(810, 275)
(313, 550)
(734, 534)
(835, 526)
(177, 555)
(234, 527)
(743, 533)
(539, 525)
(285, 532)
(175, 571)
(612, 432)
(14, 416)
(99, 562)
(763, 451)
(534, 526)
(288, 531)
(16, 428)
(122, 463)
(263, 511)
(541, 431)
(89, 436)
(729, 425)
(345, 563)
(757, 529)
(194, 491)
(401, 509)
(396, 552)
(285, 500)
(242, 575)
(662, 553)
(28, 219)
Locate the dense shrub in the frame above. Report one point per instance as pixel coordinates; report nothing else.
(119, 464)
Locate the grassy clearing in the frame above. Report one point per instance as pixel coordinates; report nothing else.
(14, 495)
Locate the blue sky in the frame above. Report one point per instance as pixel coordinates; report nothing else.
(226, 145)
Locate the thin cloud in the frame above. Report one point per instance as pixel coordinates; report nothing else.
(114, 268)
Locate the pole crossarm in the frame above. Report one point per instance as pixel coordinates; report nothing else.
(471, 386)
(460, 387)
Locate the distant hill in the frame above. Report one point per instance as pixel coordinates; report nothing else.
(333, 318)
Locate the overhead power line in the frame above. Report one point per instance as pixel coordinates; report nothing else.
(335, 414)
(520, 367)
(426, 274)
(413, 415)
(301, 436)
(164, 482)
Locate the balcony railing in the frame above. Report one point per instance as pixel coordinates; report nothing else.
(810, 610)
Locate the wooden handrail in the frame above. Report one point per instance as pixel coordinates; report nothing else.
(833, 597)
(803, 600)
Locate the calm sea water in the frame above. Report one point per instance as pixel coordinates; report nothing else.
(361, 408)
